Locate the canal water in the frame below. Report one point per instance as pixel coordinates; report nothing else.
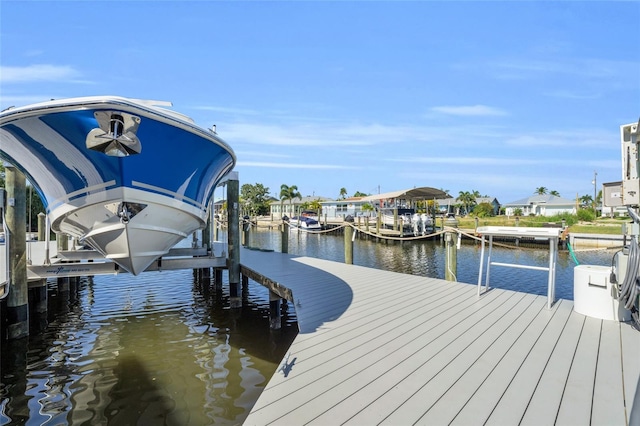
(165, 348)
(427, 258)
(160, 348)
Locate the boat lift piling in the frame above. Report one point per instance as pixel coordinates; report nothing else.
(17, 315)
(233, 202)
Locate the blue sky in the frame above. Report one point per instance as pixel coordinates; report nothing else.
(498, 97)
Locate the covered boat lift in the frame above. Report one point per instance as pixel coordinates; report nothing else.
(410, 196)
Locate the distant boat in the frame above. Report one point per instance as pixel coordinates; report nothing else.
(305, 222)
(404, 217)
(128, 177)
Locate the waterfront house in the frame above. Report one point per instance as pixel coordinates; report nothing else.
(541, 205)
(490, 200)
(352, 206)
(292, 207)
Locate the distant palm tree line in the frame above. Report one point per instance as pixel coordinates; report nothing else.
(467, 199)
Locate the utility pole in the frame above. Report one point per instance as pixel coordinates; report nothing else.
(595, 210)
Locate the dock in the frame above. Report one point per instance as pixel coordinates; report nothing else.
(380, 347)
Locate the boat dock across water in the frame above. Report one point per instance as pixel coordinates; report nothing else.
(380, 347)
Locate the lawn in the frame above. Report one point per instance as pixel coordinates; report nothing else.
(598, 226)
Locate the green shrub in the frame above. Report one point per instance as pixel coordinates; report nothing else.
(483, 210)
(586, 215)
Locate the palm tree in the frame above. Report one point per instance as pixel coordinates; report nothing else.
(288, 193)
(467, 199)
(586, 200)
(554, 193)
(317, 207)
(540, 191)
(343, 193)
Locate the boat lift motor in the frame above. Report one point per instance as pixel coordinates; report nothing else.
(611, 293)
(626, 263)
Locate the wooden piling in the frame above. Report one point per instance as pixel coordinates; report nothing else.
(451, 254)
(217, 279)
(233, 210)
(42, 220)
(275, 322)
(38, 305)
(206, 234)
(284, 237)
(348, 245)
(17, 319)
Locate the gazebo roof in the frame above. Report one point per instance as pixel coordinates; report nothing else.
(422, 193)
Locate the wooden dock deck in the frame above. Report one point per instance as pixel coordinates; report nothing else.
(378, 347)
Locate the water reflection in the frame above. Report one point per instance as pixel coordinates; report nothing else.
(160, 348)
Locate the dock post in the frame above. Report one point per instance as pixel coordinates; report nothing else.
(284, 241)
(215, 228)
(38, 303)
(41, 226)
(275, 322)
(348, 245)
(233, 193)
(17, 317)
(62, 242)
(395, 219)
(217, 278)
(246, 227)
(451, 261)
(245, 287)
(206, 235)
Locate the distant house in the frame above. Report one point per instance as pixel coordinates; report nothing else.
(342, 208)
(291, 207)
(490, 200)
(455, 206)
(541, 205)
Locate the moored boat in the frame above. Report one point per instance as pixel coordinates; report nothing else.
(305, 222)
(127, 177)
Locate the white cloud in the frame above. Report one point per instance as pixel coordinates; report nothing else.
(298, 135)
(472, 110)
(294, 166)
(227, 110)
(578, 138)
(41, 72)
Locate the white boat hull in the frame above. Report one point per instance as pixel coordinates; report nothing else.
(306, 223)
(128, 179)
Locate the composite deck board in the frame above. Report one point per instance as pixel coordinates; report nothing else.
(631, 368)
(545, 402)
(579, 388)
(467, 382)
(399, 366)
(517, 396)
(382, 347)
(431, 376)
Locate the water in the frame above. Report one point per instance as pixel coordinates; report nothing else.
(159, 348)
(427, 258)
(164, 348)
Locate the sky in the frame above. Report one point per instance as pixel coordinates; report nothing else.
(496, 97)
